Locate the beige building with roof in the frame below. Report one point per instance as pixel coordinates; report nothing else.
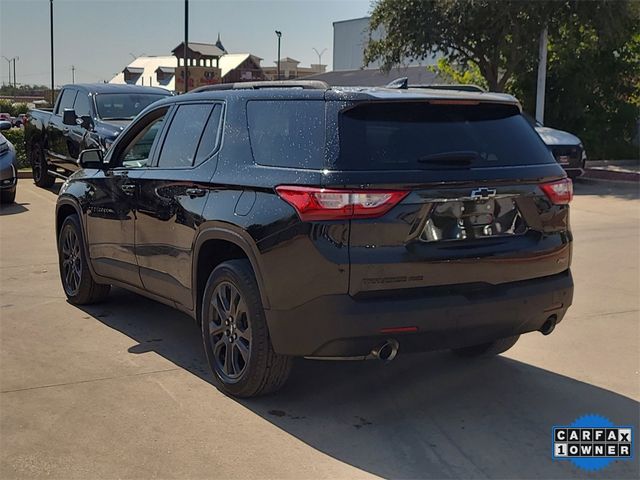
(150, 71)
(290, 69)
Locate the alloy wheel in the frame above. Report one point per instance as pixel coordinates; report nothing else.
(71, 262)
(230, 332)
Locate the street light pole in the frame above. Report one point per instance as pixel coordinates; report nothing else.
(9, 62)
(186, 43)
(319, 54)
(51, 30)
(14, 71)
(279, 35)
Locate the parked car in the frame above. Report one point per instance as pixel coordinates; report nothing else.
(6, 117)
(85, 116)
(8, 167)
(292, 219)
(566, 148)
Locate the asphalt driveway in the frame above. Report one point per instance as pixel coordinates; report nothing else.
(121, 389)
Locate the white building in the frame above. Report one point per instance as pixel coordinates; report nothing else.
(350, 38)
(149, 71)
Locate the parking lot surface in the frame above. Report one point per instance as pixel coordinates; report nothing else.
(122, 390)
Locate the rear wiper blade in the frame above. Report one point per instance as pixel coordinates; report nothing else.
(455, 159)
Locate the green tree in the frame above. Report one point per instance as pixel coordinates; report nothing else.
(499, 37)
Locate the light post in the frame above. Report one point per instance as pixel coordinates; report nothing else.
(51, 32)
(319, 54)
(279, 35)
(14, 71)
(186, 45)
(9, 62)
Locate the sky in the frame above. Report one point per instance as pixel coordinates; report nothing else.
(99, 37)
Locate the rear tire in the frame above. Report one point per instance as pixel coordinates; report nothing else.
(77, 282)
(8, 196)
(235, 334)
(490, 349)
(39, 167)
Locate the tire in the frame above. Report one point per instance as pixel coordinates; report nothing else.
(41, 177)
(488, 349)
(77, 282)
(239, 352)
(8, 196)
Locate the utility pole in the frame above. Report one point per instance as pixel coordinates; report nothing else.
(14, 71)
(186, 47)
(319, 54)
(279, 35)
(73, 74)
(9, 62)
(542, 76)
(51, 30)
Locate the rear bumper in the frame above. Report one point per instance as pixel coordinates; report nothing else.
(341, 326)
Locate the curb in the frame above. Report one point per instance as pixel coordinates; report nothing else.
(597, 174)
(25, 174)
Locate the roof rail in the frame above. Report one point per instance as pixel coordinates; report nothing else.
(447, 86)
(303, 84)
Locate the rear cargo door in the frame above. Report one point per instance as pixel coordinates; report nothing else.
(474, 213)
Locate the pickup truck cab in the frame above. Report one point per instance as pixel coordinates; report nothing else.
(84, 116)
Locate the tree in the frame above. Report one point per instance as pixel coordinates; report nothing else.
(499, 37)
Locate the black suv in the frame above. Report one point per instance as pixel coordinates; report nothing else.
(294, 219)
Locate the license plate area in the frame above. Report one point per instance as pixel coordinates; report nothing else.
(458, 220)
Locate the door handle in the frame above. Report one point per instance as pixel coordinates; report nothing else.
(128, 188)
(196, 192)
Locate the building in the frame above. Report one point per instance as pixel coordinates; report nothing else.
(290, 69)
(203, 60)
(350, 38)
(370, 77)
(149, 71)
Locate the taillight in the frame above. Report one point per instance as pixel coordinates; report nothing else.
(560, 192)
(314, 203)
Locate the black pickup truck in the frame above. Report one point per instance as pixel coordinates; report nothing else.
(84, 116)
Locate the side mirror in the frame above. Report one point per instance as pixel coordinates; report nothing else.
(4, 125)
(92, 158)
(84, 121)
(69, 116)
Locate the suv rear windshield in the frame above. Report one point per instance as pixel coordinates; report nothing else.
(419, 135)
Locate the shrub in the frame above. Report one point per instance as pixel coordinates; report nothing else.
(16, 136)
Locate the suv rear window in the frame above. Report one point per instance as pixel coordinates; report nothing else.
(287, 133)
(420, 135)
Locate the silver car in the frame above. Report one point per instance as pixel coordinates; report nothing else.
(8, 167)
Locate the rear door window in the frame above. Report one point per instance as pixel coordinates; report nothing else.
(67, 99)
(183, 137)
(420, 135)
(287, 133)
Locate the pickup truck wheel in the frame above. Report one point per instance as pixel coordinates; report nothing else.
(235, 335)
(8, 196)
(39, 167)
(77, 282)
(488, 349)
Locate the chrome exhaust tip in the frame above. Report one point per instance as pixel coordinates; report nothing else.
(548, 326)
(386, 351)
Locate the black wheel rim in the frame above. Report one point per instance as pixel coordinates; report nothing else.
(71, 262)
(229, 332)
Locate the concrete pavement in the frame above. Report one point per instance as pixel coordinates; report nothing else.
(121, 389)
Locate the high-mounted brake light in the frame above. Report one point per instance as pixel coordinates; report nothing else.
(560, 192)
(314, 203)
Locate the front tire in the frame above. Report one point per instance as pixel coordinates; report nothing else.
(235, 335)
(8, 196)
(489, 349)
(77, 282)
(39, 167)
